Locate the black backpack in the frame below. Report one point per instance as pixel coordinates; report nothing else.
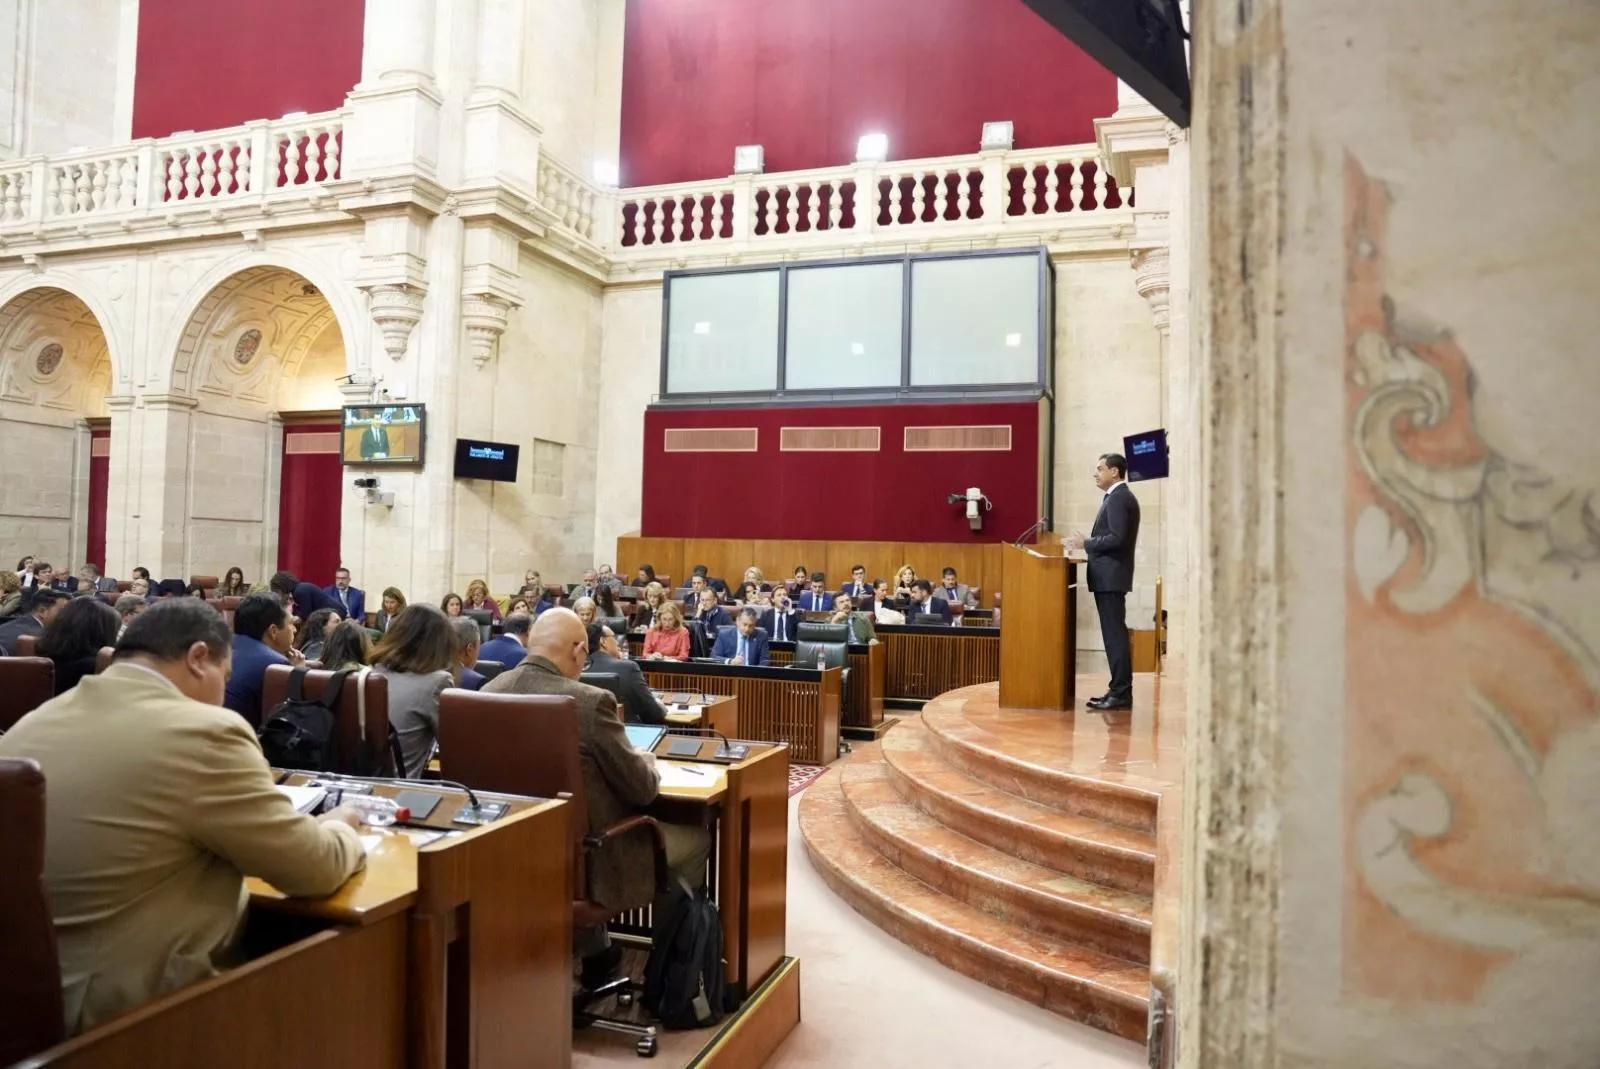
(684, 981)
(300, 733)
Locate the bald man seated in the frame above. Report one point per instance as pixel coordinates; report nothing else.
(618, 779)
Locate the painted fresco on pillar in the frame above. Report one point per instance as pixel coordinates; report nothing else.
(1473, 668)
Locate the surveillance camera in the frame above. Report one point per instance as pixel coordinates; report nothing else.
(366, 483)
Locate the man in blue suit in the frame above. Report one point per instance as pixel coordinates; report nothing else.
(512, 646)
(263, 635)
(781, 622)
(745, 643)
(353, 601)
(469, 640)
(709, 616)
(923, 601)
(817, 599)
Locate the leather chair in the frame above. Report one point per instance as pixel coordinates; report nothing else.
(102, 660)
(275, 688)
(208, 583)
(26, 646)
(489, 669)
(618, 624)
(829, 639)
(110, 598)
(528, 744)
(31, 1011)
(27, 683)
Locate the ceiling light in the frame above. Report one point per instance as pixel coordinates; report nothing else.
(606, 173)
(1014, 340)
(857, 349)
(997, 135)
(872, 148)
(702, 327)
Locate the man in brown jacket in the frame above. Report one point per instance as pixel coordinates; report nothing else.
(160, 803)
(618, 779)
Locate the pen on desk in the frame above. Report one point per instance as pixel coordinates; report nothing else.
(693, 771)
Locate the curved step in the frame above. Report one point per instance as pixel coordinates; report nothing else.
(1030, 896)
(1074, 981)
(974, 749)
(1094, 851)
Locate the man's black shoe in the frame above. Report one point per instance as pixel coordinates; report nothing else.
(1111, 703)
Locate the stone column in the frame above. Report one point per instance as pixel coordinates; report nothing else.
(397, 43)
(394, 120)
(500, 141)
(161, 484)
(121, 489)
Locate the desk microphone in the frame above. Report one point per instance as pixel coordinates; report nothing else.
(727, 751)
(1040, 524)
(472, 799)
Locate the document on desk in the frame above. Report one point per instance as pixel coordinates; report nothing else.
(304, 799)
(675, 774)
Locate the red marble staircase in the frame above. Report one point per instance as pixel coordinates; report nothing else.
(1033, 879)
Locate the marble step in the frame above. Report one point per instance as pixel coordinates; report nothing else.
(1099, 990)
(1109, 855)
(1031, 772)
(1030, 896)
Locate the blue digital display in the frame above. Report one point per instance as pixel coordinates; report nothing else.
(495, 461)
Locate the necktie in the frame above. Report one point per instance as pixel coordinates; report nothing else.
(780, 615)
(851, 626)
(742, 648)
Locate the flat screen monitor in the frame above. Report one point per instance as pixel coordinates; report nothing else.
(495, 461)
(383, 436)
(1146, 454)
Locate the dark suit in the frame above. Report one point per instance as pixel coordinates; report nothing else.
(810, 602)
(786, 629)
(353, 606)
(250, 660)
(374, 441)
(14, 628)
(638, 702)
(619, 782)
(67, 585)
(857, 591)
(1110, 548)
(934, 606)
(472, 679)
(727, 646)
(708, 624)
(505, 649)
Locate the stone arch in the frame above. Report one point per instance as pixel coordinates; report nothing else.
(26, 292)
(55, 354)
(250, 272)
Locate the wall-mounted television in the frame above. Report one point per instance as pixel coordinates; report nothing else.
(383, 436)
(495, 461)
(1146, 454)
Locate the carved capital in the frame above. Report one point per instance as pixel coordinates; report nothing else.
(395, 310)
(485, 318)
(1152, 276)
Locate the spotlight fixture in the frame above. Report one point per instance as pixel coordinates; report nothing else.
(749, 159)
(872, 148)
(997, 135)
(607, 173)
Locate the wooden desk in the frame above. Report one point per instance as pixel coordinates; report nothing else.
(489, 907)
(924, 662)
(719, 712)
(862, 706)
(747, 806)
(799, 706)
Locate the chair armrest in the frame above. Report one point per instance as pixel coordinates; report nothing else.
(658, 846)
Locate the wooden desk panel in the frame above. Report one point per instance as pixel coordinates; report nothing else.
(720, 712)
(924, 662)
(862, 706)
(337, 998)
(802, 711)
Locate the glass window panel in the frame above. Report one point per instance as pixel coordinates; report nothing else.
(722, 333)
(844, 326)
(975, 320)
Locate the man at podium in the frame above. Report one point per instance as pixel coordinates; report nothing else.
(1110, 548)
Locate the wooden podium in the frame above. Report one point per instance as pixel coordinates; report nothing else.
(1038, 628)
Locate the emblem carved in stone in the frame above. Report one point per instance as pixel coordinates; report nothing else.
(49, 358)
(245, 349)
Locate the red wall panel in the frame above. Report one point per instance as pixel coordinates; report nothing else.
(309, 517)
(890, 495)
(99, 486)
(807, 79)
(205, 64)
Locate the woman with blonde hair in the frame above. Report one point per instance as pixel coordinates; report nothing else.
(753, 577)
(668, 638)
(586, 610)
(418, 657)
(644, 615)
(478, 600)
(10, 595)
(903, 579)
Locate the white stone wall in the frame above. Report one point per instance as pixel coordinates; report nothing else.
(228, 467)
(562, 83)
(630, 376)
(58, 75)
(38, 488)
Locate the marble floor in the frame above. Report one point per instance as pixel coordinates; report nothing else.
(869, 1001)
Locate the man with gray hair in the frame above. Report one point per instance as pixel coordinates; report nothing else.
(128, 606)
(511, 647)
(618, 780)
(469, 642)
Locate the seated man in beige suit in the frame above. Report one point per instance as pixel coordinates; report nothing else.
(619, 780)
(160, 803)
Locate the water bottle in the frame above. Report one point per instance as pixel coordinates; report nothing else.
(822, 661)
(376, 811)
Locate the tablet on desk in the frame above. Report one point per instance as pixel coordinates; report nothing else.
(644, 736)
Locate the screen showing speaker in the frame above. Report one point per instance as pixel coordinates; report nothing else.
(383, 436)
(495, 461)
(1146, 454)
